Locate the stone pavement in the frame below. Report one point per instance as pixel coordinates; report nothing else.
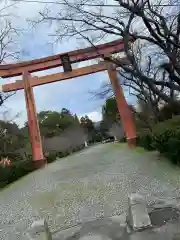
(90, 184)
(142, 222)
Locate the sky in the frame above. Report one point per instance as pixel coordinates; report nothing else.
(73, 94)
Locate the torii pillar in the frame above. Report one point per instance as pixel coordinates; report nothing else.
(34, 131)
(124, 110)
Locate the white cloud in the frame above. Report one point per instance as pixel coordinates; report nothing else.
(70, 94)
(95, 116)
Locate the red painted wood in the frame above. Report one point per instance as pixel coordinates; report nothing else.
(11, 70)
(56, 77)
(124, 111)
(34, 132)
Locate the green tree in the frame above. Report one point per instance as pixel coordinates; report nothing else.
(76, 119)
(12, 140)
(66, 119)
(110, 111)
(52, 123)
(88, 126)
(49, 122)
(104, 129)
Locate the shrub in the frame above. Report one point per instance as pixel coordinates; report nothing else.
(19, 170)
(172, 123)
(144, 139)
(14, 157)
(123, 139)
(4, 175)
(160, 140)
(164, 133)
(51, 156)
(173, 150)
(165, 137)
(20, 167)
(16, 171)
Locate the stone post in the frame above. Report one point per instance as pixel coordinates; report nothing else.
(39, 231)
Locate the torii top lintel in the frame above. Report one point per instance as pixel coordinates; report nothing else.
(11, 70)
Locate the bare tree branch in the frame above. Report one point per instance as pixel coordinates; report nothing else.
(153, 70)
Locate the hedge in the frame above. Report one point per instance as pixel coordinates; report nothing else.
(144, 139)
(164, 137)
(14, 172)
(53, 155)
(20, 167)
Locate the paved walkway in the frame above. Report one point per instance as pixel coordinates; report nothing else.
(88, 184)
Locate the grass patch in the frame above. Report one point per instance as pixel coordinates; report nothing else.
(119, 145)
(140, 150)
(125, 145)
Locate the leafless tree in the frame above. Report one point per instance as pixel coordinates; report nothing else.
(6, 116)
(150, 26)
(116, 130)
(69, 140)
(8, 40)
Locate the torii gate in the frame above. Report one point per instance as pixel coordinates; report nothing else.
(66, 59)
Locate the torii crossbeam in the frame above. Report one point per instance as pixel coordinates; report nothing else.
(66, 59)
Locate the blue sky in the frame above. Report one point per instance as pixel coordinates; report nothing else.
(73, 94)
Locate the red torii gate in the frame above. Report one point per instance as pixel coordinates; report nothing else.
(66, 59)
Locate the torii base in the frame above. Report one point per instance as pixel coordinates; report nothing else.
(131, 142)
(39, 164)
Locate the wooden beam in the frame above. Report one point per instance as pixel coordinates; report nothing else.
(36, 81)
(34, 131)
(12, 70)
(123, 108)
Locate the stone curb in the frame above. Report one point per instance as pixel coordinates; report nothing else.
(137, 220)
(39, 231)
(138, 217)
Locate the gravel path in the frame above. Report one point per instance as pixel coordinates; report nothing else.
(88, 184)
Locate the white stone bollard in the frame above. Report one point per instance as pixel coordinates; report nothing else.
(39, 231)
(138, 216)
(85, 143)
